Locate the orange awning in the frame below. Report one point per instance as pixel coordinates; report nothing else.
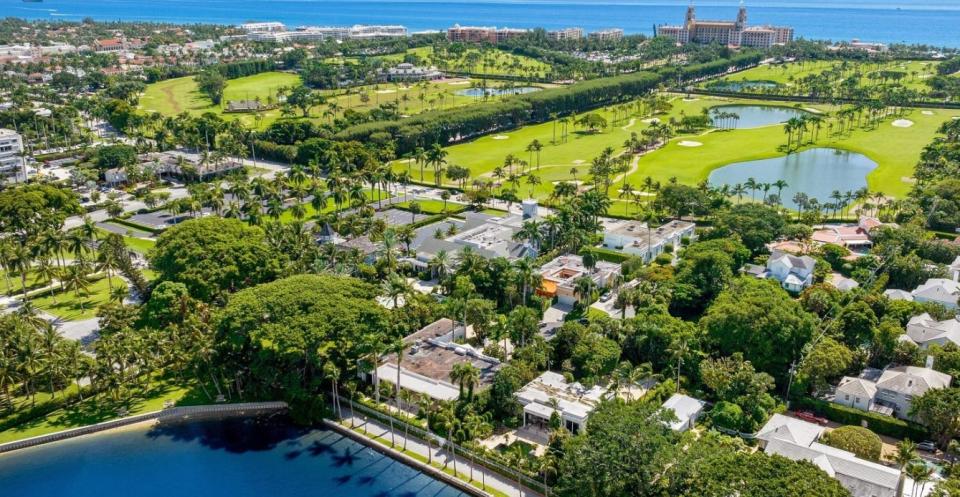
(547, 289)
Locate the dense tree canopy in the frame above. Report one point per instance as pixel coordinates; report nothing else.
(212, 256)
(760, 320)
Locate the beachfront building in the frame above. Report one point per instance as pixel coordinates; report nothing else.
(263, 27)
(410, 72)
(607, 34)
(481, 34)
(890, 391)
(561, 274)
(566, 34)
(633, 237)
(323, 33)
(550, 393)
(430, 358)
(798, 440)
(12, 166)
(733, 33)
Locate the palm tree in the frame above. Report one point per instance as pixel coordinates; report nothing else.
(583, 288)
(466, 375)
(75, 280)
(906, 453)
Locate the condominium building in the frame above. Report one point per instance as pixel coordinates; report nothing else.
(731, 32)
(566, 34)
(481, 34)
(322, 33)
(12, 166)
(263, 27)
(607, 34)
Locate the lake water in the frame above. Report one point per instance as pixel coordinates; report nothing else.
(496, 92)
(754, 116)
(816, 172)
(229, 458)
(931, 22)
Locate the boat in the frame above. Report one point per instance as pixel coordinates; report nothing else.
(32, 1)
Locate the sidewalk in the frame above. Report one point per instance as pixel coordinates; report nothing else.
(480, 474)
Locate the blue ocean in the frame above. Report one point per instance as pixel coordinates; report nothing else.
(932, 22)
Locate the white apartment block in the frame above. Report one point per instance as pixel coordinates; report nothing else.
(12, 166)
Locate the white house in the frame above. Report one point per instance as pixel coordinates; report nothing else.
(894, 294)
(955, 269)
(794, 273)
(797, 440)
(550, 393)
(939, 291)
(632, 237)
(923, 331)
(892, 392)
(12, 167)
(687, 410)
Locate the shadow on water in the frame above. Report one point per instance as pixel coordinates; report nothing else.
(233, 434)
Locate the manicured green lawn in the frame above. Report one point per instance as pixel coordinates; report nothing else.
(136, 244)
(101, 408)
(473, 60)
(71, 307)
(431, 206)
(311, 213)
(895, 149)
(787, 74)
(173, 96)
(13, 280)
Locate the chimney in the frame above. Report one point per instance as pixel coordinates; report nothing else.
(929, 362)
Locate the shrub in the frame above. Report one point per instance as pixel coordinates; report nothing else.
(861, 441)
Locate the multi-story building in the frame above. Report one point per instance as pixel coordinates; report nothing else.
(118, 45)
(481, 34)
(12, 166)
(561, 274)
(410, 72)
(734, 33)
(321, 33)
(566, 34)
(263, 27)
(634, 238)
(890, 391)
(607, 34)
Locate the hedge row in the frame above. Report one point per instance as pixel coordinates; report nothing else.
(444, 126)
(878, 423)
(609, 255)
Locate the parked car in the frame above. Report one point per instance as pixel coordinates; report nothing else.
(811, 417)
(927, 446)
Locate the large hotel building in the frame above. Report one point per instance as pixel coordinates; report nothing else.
(478, 34)
(733, 33)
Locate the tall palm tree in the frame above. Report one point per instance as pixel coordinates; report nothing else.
(466, 375)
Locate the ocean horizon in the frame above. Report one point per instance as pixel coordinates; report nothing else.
(931, 22)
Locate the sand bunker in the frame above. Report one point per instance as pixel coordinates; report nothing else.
(690, 99)
(652, 121)
(578, 182)
(579, 161)
(691, 144)
(902, 123)
(812, 110)
(383, 92)
(501, 137)
(458, 83)
(927, 113)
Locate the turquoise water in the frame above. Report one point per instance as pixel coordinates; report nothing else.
(229, 458)
(931, 22)
(754, 116)
(496, 92)
(816, 172)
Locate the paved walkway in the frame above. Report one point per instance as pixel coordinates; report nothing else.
(480, 474)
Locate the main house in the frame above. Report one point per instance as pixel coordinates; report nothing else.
(433, 352)
(794, 273)
(561, 274)
(798, 440)
(890, 391)
(938, 291)
(550, 393)
(641, 240)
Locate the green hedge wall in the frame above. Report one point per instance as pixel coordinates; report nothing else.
(878, 423)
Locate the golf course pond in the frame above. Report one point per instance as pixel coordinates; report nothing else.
(752, 116)
(496, 92)
(816, 172)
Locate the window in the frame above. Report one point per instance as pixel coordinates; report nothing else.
(846, 397)
(858, 400)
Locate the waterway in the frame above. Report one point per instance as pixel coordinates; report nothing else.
(235, 457)
(753, 116)
(816, 172)
(932, 22)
